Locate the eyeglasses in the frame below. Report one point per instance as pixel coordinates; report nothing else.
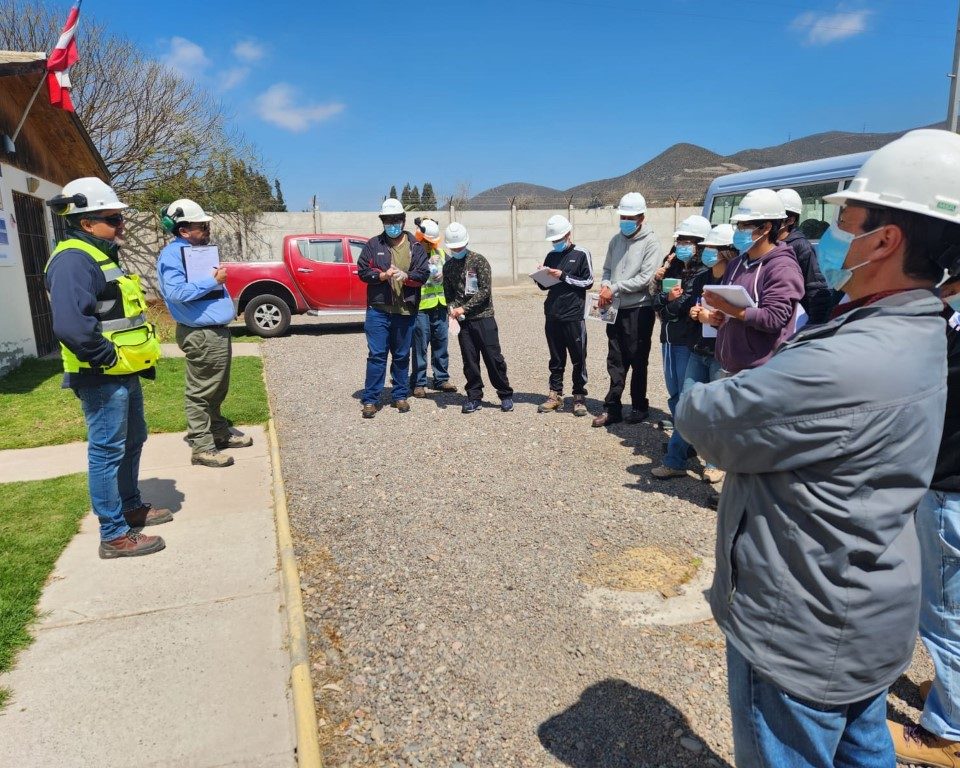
(114, 220)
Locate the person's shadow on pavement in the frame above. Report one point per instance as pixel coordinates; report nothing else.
(162, 493)
(617, 725)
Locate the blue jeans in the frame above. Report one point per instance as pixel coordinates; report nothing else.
(430, 328)
(772, 729)
(675, 358)
(116, 432)
(938, 527)
(387, 333)
(700, 370)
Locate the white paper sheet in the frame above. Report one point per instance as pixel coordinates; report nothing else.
(735, 294)
(592, 311)
(200, 261)
(709, 331)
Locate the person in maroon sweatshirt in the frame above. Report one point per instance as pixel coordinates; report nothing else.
(769, 272)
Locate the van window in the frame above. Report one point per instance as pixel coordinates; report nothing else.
(814, 219)
(329, 251)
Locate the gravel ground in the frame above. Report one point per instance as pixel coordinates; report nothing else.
(445, 561)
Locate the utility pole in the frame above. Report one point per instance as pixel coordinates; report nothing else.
(954, 76)
(313, 205)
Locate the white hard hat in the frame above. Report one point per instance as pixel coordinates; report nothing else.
(632, 204)
(919, 172)
(456, 235)
(185, 210)
(392, 207)
(429, 230)
(693, 226)
(558, 227)
(85, 196)
(791, 201)
(759, 205)
(720, 236)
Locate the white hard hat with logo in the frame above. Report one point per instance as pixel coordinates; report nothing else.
(86, 195)
(759, 205)
(632, 204)
(392, 207)
(693, 226)
(919, 173)
(456, 235)
(187, 211)
(558, 227)
(791, 201)
(721, 236)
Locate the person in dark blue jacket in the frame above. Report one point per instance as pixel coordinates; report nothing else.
(394, 266)
(107, 345)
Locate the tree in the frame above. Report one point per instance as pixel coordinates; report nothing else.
(460, 199)
(414, 199)
(281, 204)
(428, 200)
(393, 191)
(405, 197)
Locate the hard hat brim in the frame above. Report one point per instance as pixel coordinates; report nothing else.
(880, 201)
(625, 212)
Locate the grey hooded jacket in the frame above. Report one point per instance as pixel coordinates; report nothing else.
(828, 447)
(630, 265)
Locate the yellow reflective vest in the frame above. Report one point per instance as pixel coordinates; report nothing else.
(431, 293)
(133, 336)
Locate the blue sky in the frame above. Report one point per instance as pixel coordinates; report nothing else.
(344, 99)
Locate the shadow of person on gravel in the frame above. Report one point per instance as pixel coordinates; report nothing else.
(617, 725)
(909, 692)
(690, 488)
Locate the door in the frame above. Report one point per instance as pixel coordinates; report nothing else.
(358, 288)
(35, 249)
(322, 271)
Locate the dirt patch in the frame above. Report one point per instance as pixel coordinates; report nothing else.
(642, 569)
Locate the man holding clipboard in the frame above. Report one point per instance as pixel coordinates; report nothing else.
(192, 284)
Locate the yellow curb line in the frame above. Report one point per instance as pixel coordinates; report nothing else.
(304, 709)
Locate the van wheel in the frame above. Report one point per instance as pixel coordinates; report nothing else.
(267, 316)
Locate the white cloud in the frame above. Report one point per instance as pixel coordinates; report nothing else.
(249, 51)
(186, 57)
(823, 28)
(231, 78)
(280, 105)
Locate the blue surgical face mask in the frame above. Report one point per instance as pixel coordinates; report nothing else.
(953, 302)
(393, 230)
(629, 228)
(710, 257)
(743, 240)
(684, 252)
(458, 254)
(560, 245)
(832, 253)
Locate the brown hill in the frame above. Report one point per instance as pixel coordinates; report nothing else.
(681, 173)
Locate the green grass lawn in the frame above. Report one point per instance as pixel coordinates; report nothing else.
(35, 411)
(33, 533)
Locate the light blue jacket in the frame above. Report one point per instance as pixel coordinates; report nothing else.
(188, 302)
(828, 448)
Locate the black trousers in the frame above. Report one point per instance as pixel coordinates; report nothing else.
(567, 337)
(629, 349)
(481, 338)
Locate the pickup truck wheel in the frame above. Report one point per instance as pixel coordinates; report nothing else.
(267, 316)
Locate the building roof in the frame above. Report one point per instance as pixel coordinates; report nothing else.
(53, 143)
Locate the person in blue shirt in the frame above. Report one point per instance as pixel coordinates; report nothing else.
(202, 310)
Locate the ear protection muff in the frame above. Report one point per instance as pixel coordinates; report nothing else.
(60, 204)
(167, 218)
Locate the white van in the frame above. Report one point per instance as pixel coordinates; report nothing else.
(812, 180)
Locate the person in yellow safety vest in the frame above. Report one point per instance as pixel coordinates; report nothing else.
(107, 344)
(431, 323)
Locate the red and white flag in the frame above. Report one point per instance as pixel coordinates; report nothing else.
(63, 56)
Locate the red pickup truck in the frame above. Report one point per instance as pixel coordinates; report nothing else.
(318, 275)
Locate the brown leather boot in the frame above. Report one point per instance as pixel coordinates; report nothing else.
(401, 405)
(553, 403)
(419, 392)
(445, 386)
(147, 514)
(130, 545)
(915, 744)
(211, 459)
(605, 419)
(369, 411)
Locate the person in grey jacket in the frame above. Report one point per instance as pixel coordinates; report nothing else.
(632, 258)
(828, 448)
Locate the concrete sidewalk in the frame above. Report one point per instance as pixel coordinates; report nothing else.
(174, 659)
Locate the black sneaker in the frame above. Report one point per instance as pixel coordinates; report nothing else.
(506, 404)
(471, 406)
(636, 417)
